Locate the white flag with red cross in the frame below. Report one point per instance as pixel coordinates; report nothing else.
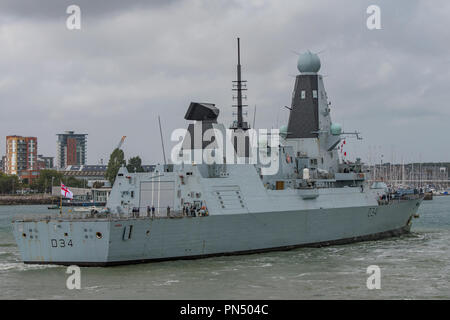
(65, 192)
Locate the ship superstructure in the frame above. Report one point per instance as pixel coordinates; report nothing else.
(197, 208)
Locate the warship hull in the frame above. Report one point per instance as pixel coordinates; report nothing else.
(107, 242)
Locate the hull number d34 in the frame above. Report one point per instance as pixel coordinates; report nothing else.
(61, 243)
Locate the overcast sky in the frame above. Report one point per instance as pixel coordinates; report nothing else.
(134, 60)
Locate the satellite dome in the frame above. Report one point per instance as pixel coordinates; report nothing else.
(336, 129)
(308, 62)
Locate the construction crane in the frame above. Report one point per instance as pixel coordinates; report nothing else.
(121, 142)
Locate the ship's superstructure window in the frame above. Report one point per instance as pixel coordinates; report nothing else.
(314, 93)
(303, 94)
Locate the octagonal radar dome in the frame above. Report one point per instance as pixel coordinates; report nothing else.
(308, 62)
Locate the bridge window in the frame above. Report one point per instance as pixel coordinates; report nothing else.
(303, 94)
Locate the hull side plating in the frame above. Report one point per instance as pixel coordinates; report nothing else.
(184, 238)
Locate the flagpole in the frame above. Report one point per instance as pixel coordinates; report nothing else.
(60, 201)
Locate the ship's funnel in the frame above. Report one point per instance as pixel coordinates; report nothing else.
(202, 112)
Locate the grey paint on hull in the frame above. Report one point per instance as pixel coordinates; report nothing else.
(195, 237)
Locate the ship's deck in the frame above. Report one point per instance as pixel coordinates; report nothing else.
(97, 217)
(87, 216)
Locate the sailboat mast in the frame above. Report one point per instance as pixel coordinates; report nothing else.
(162, 140)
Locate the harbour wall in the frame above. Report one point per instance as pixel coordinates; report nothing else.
(28, 199)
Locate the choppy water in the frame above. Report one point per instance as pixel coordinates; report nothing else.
(414, 266)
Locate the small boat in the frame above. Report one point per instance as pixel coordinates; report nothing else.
(53, 207)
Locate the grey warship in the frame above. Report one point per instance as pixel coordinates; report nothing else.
(305, 196)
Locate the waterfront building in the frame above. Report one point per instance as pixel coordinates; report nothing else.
(71, 149)
(93, 173)
(85, 172)
(45, 162)
(21, 154)
(2, 164)
(93, 195)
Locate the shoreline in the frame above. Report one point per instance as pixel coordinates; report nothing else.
(28, 199)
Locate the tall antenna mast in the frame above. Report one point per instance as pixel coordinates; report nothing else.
(239, 85)
(162, 141)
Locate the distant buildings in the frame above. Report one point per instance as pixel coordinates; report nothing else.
(96, 196)
(21, 158)
(94, 172)
(71, 149)
(2, 164)
(85, 172)
(45, 162)
(21, 154)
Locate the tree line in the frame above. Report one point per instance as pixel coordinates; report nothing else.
(48, 178)
(117, 160)
(8, 183)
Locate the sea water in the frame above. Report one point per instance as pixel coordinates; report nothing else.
(412, 266)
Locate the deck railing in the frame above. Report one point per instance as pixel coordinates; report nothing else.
(176, 214)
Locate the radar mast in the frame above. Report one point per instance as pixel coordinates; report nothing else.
(239, 85)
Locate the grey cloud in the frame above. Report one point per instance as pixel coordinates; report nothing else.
(49, 9)
(133, 60)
